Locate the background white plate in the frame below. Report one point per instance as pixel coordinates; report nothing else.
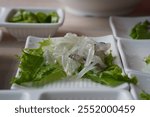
(143, 84)
(77, 84)
(14, 95)
(121, 26)
(133, 53)
(22, 30)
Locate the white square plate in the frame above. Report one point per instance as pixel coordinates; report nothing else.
(133, 54)
(143, 84)
(77, 83)
(14, 95)
(86, 95)
(67, 94)
(121, 26)
(22, 30)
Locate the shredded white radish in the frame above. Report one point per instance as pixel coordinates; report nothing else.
(73, 52)
(85, 70)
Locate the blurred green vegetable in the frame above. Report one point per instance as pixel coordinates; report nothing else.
(147, 59)
(144, 96)
(141, 30)
(24, 16)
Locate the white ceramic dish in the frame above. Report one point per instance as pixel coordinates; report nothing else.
(86, 95)
(14, 95)
(22, 30)
(143, 84)
(133, 54)
(77, 84)
(121, 26)
(99, 7)
(69, 94)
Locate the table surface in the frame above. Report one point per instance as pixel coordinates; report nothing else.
(89, 26)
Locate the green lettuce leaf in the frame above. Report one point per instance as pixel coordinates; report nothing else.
(147, 59)
(112, 76)
(144, 95)
(25, 16)
(33, 69)
(141, 30)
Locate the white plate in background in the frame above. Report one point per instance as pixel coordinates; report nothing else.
(143, 84)
(14, 95)
(78, 84)
(22, 30)
(121, 26)
(133, 53)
